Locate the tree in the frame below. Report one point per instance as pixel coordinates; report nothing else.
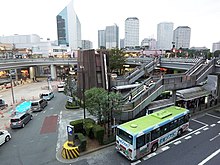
(116, 60)
(101, 103)
(217, 53)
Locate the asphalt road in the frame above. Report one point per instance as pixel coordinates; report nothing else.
(199, 146)
(31, 145)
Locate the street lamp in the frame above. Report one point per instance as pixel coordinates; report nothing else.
(83, 79)
(12, 91)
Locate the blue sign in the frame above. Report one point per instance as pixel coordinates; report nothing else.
(70, 130)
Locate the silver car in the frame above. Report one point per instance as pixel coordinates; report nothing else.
(20, 120)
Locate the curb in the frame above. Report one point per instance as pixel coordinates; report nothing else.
(81, 155)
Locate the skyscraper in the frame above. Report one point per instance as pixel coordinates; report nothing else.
(181, 37)
(69, 27)
(112, 36)
(215, 46)
(101, 38)
(164, 35)
(131, 32)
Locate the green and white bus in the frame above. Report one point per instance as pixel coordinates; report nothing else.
(137, 138)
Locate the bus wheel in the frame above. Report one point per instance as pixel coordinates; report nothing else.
(179, 133)
(154, 148)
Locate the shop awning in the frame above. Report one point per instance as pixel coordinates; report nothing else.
(192, 93)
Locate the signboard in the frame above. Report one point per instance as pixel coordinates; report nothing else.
(70, 130)
(70, 99)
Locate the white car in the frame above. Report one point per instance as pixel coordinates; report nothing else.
(4, 136)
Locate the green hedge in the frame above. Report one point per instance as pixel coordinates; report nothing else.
(83, 141)
(83, 126)
(71, 105)
(98, 133)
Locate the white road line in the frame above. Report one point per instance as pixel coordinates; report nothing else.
(165, 148)
(209, 157)
(200, 122)
(212, 125)
(190, 130)
(196, 133)
(44, 111)
(188, 137)
(213, 115)
(185, 135)
(214, 137)
(205, 129)
(178, 142)
(133, 163)
(218, 122)
(150, 155)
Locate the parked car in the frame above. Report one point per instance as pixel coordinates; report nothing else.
(48, 95)
(5, 136)
(3, 104)
(20, 120)
(38, 105)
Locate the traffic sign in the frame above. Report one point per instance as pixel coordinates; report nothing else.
(70, 130)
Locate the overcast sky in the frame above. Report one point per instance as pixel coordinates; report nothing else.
(39, 17)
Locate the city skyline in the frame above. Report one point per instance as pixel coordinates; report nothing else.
(39, 17)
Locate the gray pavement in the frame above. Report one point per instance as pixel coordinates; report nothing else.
(26, 91)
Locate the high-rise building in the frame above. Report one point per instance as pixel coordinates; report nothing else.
(86, 44)
(215, 46)
(112, 36)
(181, 37)
(149, 43)
(69, 27)
(164, 35)
(122, 43)
(101, 38)
(131, 32)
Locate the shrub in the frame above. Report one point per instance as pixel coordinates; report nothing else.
(78, 126)
(98, 133)
(70, 105)
(82, 141)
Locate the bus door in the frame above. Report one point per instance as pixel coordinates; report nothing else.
(142, 145)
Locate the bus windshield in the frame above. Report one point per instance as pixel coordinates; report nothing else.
(125, 136)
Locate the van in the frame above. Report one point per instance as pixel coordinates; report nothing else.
(38, 105)
(47, 95)
(20, 120)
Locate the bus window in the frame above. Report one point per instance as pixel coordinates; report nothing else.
(125, 136)
(140, 141)
(165, 129)
(155, 134)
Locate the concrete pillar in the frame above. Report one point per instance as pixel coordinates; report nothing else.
(32, 73)
(53, 72)
(174, 96)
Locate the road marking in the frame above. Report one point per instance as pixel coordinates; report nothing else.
(150, 155)
(214, 137)
(178, 142)
(212, 115)
(213, 125)
(196, 133)
(188, 137)
(190, 130)
(135, 162)
(200, 122)
(209, 157)
(44, 111)
(51, 108)
(205, 129)
(218, 122)
(165, 148)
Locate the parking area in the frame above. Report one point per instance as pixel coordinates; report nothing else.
(27, 91)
